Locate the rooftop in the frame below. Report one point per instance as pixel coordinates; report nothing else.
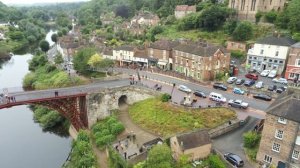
(185, 8)
(287, 105)
(194, 139)
(125, 47)
(296, 45)
(164, 44)
(200, 49)
(279, 41)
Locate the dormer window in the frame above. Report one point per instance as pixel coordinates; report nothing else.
(282, 120)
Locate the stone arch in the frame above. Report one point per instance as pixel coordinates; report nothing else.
(122, 101)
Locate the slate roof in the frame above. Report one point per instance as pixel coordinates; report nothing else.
(199, 49)
(185, 8)
(287, 105)
(279, 41)
(296, 45)
(125, 48)
(141, 54)
(164, 44)
(194, 139)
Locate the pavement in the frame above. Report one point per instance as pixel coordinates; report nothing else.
(233, 142)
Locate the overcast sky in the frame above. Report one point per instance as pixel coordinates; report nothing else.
(36, 1)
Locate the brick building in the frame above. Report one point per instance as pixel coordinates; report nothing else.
(280, 141)
(247, 9)
(201, 61)
(183, 10)
(145, 18)
(161, 51)
(293, 64)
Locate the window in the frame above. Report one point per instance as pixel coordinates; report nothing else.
(298, 140)
(292, 75)
(265, 59)
(281, 62)
(275, 61)
(268, 159)
(270, 60)
(255, 58)
(297, 62)
(277, 53)
(261, 52)
(276, 147)
(295, 155)
(279, 134)
(250, 57)
(282, 120)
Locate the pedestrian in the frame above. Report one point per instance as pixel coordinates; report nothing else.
(15, 99)
(125, 155)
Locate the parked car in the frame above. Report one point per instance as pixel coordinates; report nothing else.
(249, 83)
(234, 159)
(239, 81)
(272, 74)
(237, 104)
(199, 94)
(280, 89)
(272, 88)
(262, 97)
(220, 86)
(252, 76)
(217, 97)
(280, 80)
(184, 89)
(265, 73)
(238, 91)
(259, 84)
(231, 80)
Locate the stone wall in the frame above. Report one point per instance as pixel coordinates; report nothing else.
(100, 104)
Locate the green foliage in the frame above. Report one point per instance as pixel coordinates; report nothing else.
(237, 54)
(296, 36)
(189, 22)
(37, 61)
(50, 68)
(44, 45)
(183, 162)
(289, 17)
(54, 38)
(213, 17)
(82, 154)
(230, 26)
(58, 59)
(252, 152)
(115, 160)
(16, 35)
(165, 97)
(160, 156)
(47, 118)
(81, 59)
(220, 75)
(251, 139)
(106, 131)
(271, 16)
(243, 31)
(258, 16)
(215, 162)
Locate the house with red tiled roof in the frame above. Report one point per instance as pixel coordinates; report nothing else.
(183, 10)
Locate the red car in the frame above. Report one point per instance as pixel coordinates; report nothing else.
(251, 76)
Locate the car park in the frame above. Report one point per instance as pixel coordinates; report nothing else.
(249, 83)
(217, 97)
(238, 104)
(240, 81)
(220, 86)
(272, 74)
(259, 85)
(238, 91)
(231, 80)
(265, 73)
(199, 94)
(280, 80)
(262, 97)
(184, 88)
(272, 88)
(251, 76)
(234, 159)
(280, 89)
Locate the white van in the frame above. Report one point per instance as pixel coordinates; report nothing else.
(217, 97)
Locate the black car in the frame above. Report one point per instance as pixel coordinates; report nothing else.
(280, 89)
(272, 88)
(199, 94)
(262, 97)
(234, 159)
(240, 81)
(249, 83)
(220, 86)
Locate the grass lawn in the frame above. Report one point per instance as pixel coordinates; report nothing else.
(170, 32)
(251, 153)
(166, 119)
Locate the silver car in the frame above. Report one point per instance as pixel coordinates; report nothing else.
(184, 89)
(259, 84)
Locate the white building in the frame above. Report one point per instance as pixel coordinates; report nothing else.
(183, 10)
(124, 54)
(269, 53)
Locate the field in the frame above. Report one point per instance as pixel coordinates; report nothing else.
(166, 119)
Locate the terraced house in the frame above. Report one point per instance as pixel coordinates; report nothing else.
(280, 141)
(201, 61)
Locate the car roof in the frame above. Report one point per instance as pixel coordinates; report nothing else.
(236, 157)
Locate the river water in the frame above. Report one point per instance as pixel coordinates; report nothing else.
(23, 144)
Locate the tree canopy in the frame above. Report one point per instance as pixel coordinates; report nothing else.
(243, 31)
(160, 156)
(44, 45)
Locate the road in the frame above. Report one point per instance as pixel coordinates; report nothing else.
(253, 103)
(233, 141)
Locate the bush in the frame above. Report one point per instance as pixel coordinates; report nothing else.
(117, 128)
(258, 15)
(215, 162)
(271, 16)
(237, 54)
(165, 97)
(243, 32)
(251, 139)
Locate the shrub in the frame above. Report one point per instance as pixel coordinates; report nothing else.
(50, 68)
(251, 139)
(117, 128)
(237, 54)
(165, 97)
(258, 15)
(101, 141)
(271, 16)
(243, 32)
(215, 162)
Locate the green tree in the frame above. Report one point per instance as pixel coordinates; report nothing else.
(213, 17)
(258, 16)
(230, 26)
(243, 31)
(293, 11)
(160, 156)
(58, 59)
(251, 139)
(271, 16)
(81, 59)
(215, 162)
(54, 38)
(44, 45)
(94, 61)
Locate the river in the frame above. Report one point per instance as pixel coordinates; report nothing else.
(23, 144)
